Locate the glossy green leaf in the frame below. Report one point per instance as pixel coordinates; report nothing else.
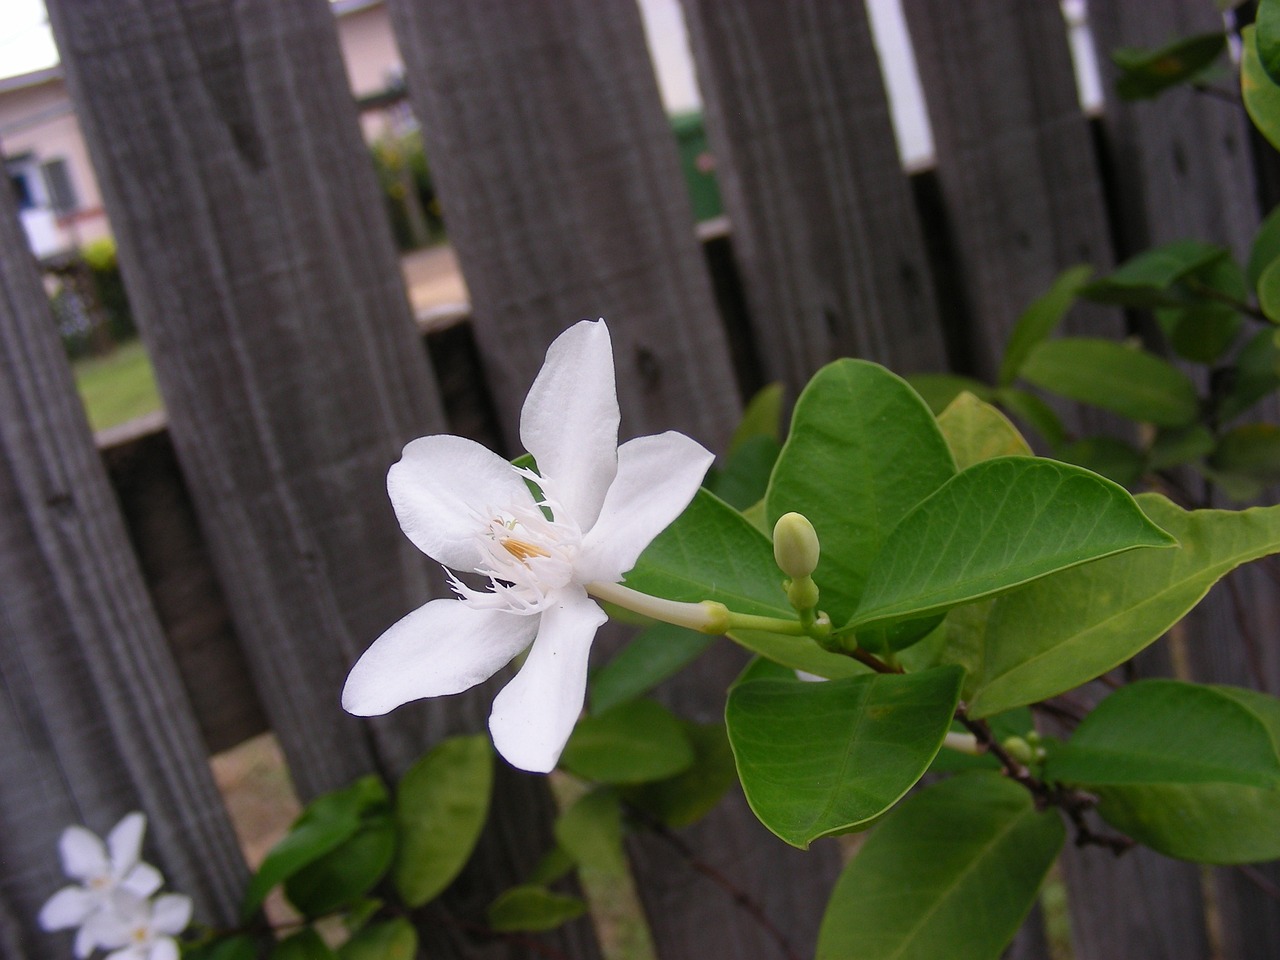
(1256, 375)
(1041, 319)
(1148, 73)
(326, 823)
(442, 803)
(1179, 445)
(346, 873)
(1252, 450)
(798, 653)
(689, 796)
(1064, 630)
(387, 940)
(712, 553)
(1191, 771)
(533, 909)
(951, 873)
(1265, 249)
(303, 945)
(1113, 458)
(1260, 92)
(631, 743)
(762, 418)
(590, 832)
(1269, 291)
(1268, 38)
(997, 525)
(976, 431)
(1034, 413)
(1130, 382)
(863, 450)
(1144, 280)
(822, 758)
(939, 389)
(653, 655)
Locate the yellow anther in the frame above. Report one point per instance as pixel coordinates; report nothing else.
(523, 550)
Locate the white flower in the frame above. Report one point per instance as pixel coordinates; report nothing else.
(139, 929)
(103, 870)
(470, 510)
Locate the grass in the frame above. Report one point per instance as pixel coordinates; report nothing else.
(117, 387)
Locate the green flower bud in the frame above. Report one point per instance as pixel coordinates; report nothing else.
(795, 546)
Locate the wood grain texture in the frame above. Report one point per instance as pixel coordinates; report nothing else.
(1014, 158)
(823, 222)
(93, 719)
(561, 187)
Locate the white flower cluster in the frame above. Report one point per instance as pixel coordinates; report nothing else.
(112, 905)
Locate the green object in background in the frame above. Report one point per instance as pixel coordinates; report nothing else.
(698, 165)
(118, 387)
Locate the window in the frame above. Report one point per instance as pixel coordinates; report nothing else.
(57, 181)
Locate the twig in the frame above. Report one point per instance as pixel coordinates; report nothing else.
(1225, 95)
(740, 897)
(1259, 880)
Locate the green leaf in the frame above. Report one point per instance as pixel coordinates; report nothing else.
(950, 873)
(1013, 723)
(1064, 630)
(325, 824)
(798, 653)
(346, 873)
(863, 450)
(1035, 413)
(1256, 375)
(1204, 328)
(1130, 382)
(688, 797)
(1041, 319)
(1143, 281)
(555, 863)
(744, 477)
(239, 947)
(1269, 291)
(1260, 92)
(633, 742)
(1147, 73)
(303, 945)
(1265, 249)
(387, 940)
(533, 909)
(762, 418)
(822, 758)
(1174, 447)
(1191, 771)
(976, 431)
(590, 832)
(1252, 450)
(712, 553)
(939, 389)
(653, 655)
(997, 525)
(1268, 38)
(441, 806)
(1113, 458)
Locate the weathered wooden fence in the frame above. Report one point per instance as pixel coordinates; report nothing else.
(247, 554)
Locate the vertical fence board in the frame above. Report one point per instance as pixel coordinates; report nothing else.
(93, 719)
(259, 262)
(823, 222)
(562, 192)
(1015, 159)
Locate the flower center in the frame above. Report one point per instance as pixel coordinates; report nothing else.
(523, 550)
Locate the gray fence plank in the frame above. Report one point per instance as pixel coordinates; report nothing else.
(1014, 157)
(260, 266)
(94, 721)
(822, 216)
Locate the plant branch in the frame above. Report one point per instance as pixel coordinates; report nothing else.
(743, 900)
(1259, 880)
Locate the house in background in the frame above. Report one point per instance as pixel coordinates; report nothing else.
(48, 164)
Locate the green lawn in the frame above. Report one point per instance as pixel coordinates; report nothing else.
(117, 387)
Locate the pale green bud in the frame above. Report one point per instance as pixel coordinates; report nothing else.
(795, 546)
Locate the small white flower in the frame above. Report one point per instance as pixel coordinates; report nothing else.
(467, 508)
(140, 929)
(103, 871)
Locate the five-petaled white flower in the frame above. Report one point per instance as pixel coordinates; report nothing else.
(139, 929)
(104, 871)
(471, 510)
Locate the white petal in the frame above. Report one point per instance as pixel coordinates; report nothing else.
(125, 842)
(443, 488)
(441, 648)
(128, 953)
(570, 420)
(171, 913)
(83, 855)
(85, 941)
(657, 477)
(107, 929)
(534, 714)
(67, 908)
(142, 881)
(164, 948)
